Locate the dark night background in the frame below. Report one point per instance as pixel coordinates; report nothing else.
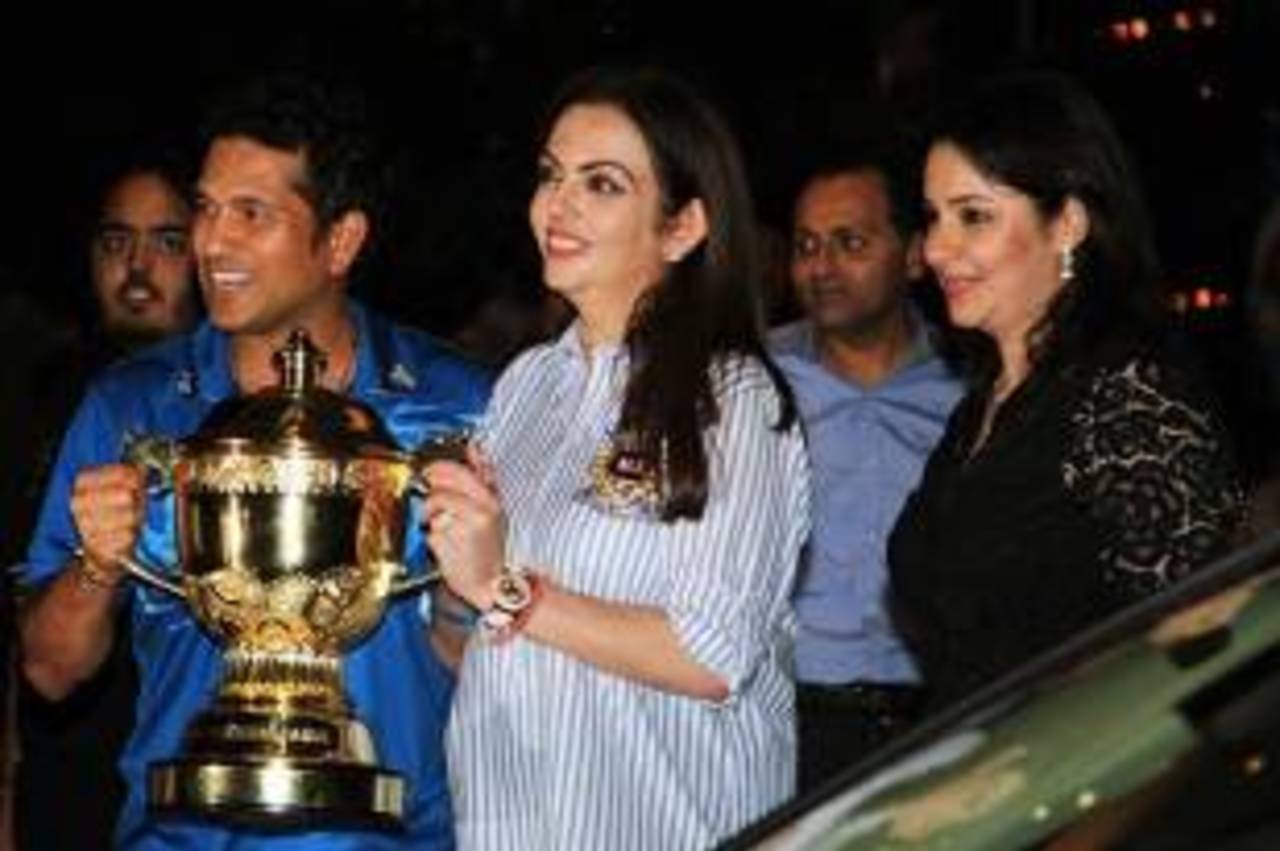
(458, 85)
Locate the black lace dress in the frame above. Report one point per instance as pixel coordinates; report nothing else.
(1104, 478)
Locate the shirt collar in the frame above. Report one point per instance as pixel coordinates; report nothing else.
(799, 341)
(922, 344)
(569, 346)
(377, 369)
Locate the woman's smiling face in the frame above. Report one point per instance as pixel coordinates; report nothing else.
(996, 256)
(597, 212)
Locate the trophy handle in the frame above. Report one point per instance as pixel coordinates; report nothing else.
(158, 456)
(151, 576)
(451, 446)
(155, 455)
(406, 585)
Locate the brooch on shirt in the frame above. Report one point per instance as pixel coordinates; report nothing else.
(624, 481)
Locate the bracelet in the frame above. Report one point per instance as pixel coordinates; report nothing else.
(516, 592)
(465, 618)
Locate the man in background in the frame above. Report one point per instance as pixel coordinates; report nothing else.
(874, 396)
(141, 257)
(142, 289)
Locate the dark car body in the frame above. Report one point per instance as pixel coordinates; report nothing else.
(1157, 731)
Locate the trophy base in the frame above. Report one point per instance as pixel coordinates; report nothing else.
(266, 794)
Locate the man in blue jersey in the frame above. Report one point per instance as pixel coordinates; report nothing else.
(283, 208)
(874, 397)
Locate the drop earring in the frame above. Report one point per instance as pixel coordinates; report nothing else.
(1067, 270)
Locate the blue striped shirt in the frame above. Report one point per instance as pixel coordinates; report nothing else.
(548, 752)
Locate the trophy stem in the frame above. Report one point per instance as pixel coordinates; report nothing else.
(274, 705)
(278, 747)
(285, 681)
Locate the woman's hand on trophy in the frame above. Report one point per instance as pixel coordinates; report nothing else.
(107, 505)
(466, 527)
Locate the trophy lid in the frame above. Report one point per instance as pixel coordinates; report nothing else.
(298, 413)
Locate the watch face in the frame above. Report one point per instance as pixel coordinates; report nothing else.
(512, 592)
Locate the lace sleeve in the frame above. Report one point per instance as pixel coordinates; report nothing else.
(1153, 467)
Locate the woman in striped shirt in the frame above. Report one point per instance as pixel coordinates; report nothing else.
(631, 517)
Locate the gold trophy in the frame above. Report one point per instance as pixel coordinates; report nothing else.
(291, 507)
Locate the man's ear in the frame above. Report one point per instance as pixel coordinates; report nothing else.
(346, 237)
(684, 231)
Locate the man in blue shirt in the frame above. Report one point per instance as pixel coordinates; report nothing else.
(143, 289)
(874, 397)
(283, 208)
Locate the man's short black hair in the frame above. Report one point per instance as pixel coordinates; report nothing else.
(886, 153)
(325, 122)
(164, 161)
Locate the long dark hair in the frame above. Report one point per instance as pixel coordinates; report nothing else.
(1045, 136)
(708, 308)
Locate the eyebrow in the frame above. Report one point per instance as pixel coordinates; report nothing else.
(834, 230)
(610, 164)
(248, 197)
(241, 193)
(592, 165)
(968, 198)
(114, 226)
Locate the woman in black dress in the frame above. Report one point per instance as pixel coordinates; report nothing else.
(1085, 469)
